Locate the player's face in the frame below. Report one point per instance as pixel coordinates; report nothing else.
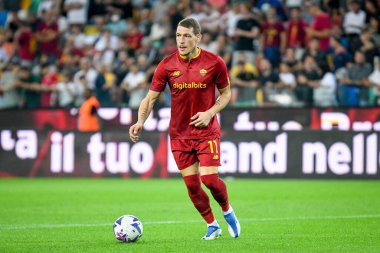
(187, 41)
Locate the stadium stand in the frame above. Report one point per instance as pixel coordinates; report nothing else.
(289, 53)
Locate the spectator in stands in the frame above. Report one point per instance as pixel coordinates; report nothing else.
(265, 5)
(160, 30)
(134, 38)
(169, 47)
(14, 20)
(142, 62)
(49, 79)
(248, 66)
(211, 22)
(296, 31)
(320, 29)
(95, 29)
(197, 11)
(374, 80)
(175, 15)
(246, 33)
(324, 93)
(65, 89)
(30, 86)
(8, 45)
(70, 57)
(341, 74)
(125, 8)
(9, 95)
(222, 48)
(290, 59)
(88, 120)
(134, 84)
(306, 79)
(77, 36)
(368, 46)
(76, 11)
(273, 38)
(106, 47)
(244, 83)
(374, 30)
(230, 18)
(121, 66)
(353, 23)
(160, 8)
(80, 87)
(356, 86)
(339, 55)
(4, 58)
(47, 36)
(336, 19)
(285, 88)
(319, 56)
(268, 81)
(88, 72)
(26, 44)
(206, 42)
(145, 24)
(372, 9)
(148, 50)
(116, 25)
(103, 88)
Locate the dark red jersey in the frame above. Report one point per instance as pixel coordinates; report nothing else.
(192, 85)
(272, 34)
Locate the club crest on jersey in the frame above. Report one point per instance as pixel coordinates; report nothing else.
(203, 72)
(176, 73)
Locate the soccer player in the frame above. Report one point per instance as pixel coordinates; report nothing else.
(192, 75)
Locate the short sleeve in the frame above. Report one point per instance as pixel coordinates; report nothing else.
(159, 78)
(222, 80)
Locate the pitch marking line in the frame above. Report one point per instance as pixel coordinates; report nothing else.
(39, 226)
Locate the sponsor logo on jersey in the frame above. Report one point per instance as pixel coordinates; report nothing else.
(192, 85)
(203, 72)
(176, 73)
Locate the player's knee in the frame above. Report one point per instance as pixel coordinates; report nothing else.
(193, 185)
(210, 181)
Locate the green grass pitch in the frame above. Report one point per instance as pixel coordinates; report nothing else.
(76, 215)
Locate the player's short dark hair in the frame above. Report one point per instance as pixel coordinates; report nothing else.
(191, 23)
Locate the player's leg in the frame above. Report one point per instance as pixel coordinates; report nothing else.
(197, 195)
(188, 163)
(208, 155)
(200, 200)
(218, 189)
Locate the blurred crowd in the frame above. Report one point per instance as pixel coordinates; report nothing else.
(287, 53)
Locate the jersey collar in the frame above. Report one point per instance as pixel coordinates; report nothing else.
(192, 59)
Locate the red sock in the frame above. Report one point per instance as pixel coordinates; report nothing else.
(218, 190)
(199, 197)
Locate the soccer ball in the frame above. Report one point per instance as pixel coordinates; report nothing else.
(128, 228)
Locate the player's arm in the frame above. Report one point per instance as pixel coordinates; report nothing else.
(145, 109)
(202, 119)
(222, 101)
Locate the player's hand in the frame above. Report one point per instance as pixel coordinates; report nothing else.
(134, 132)
(201, 119)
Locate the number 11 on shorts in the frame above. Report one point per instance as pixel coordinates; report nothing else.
(213, 143)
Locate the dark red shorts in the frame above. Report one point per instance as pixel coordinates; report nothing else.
(186, 152)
